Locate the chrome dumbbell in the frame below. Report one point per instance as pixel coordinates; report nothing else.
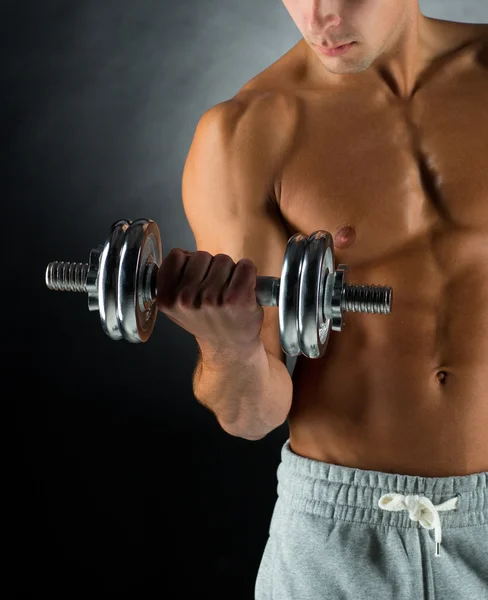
(311, 295)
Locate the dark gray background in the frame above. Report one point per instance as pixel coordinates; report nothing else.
(122, 483)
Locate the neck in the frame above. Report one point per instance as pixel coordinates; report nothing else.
(408, 53)
(413, 45)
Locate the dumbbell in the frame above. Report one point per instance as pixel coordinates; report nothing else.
(311, 295)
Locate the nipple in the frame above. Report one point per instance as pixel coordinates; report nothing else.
(345, 236)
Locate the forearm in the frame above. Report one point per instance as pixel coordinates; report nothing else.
(249, 394)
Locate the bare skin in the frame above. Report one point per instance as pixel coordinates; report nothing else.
(393, 161)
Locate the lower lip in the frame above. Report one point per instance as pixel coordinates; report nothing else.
(335, 51)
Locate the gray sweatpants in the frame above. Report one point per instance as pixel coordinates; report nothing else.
(346, 534)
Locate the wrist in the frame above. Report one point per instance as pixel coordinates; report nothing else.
(228, 355)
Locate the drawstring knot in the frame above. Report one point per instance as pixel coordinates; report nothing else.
(420, 509)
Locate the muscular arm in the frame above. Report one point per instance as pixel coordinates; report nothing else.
(227, 183)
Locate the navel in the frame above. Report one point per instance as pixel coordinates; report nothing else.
(345, 236)
(441, 377)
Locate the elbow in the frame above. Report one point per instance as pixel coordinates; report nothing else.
(249, 438)
(239, 433)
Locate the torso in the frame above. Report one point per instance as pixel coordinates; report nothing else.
(402, 185)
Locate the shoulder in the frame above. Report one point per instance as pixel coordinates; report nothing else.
(481, 44)
(272, 93)
(480, 33)
(252, 106)
(258, 124)
(257, 121)
(484, 35)
(473, 33)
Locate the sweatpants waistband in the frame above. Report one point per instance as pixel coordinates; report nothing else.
(345, 493)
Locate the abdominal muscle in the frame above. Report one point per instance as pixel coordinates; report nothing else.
(380, 400)
(357, 408)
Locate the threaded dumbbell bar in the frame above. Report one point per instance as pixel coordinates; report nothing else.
(121, 282)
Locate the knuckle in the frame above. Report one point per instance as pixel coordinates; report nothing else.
(246, 263)
(231, 297)
(185, 298)
(223, 258)
(239, 293)
(209, 299)
(211, 294)
(247, 270)
(177, 252)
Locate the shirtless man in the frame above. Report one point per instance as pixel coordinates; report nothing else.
(382, 488)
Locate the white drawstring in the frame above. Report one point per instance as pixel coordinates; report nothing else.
(420, 509)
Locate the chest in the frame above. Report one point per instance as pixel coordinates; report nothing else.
(392, 169)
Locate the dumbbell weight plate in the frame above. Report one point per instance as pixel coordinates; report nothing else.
(107, 279)
(317, 272)
(289, 294)
(141, 247)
